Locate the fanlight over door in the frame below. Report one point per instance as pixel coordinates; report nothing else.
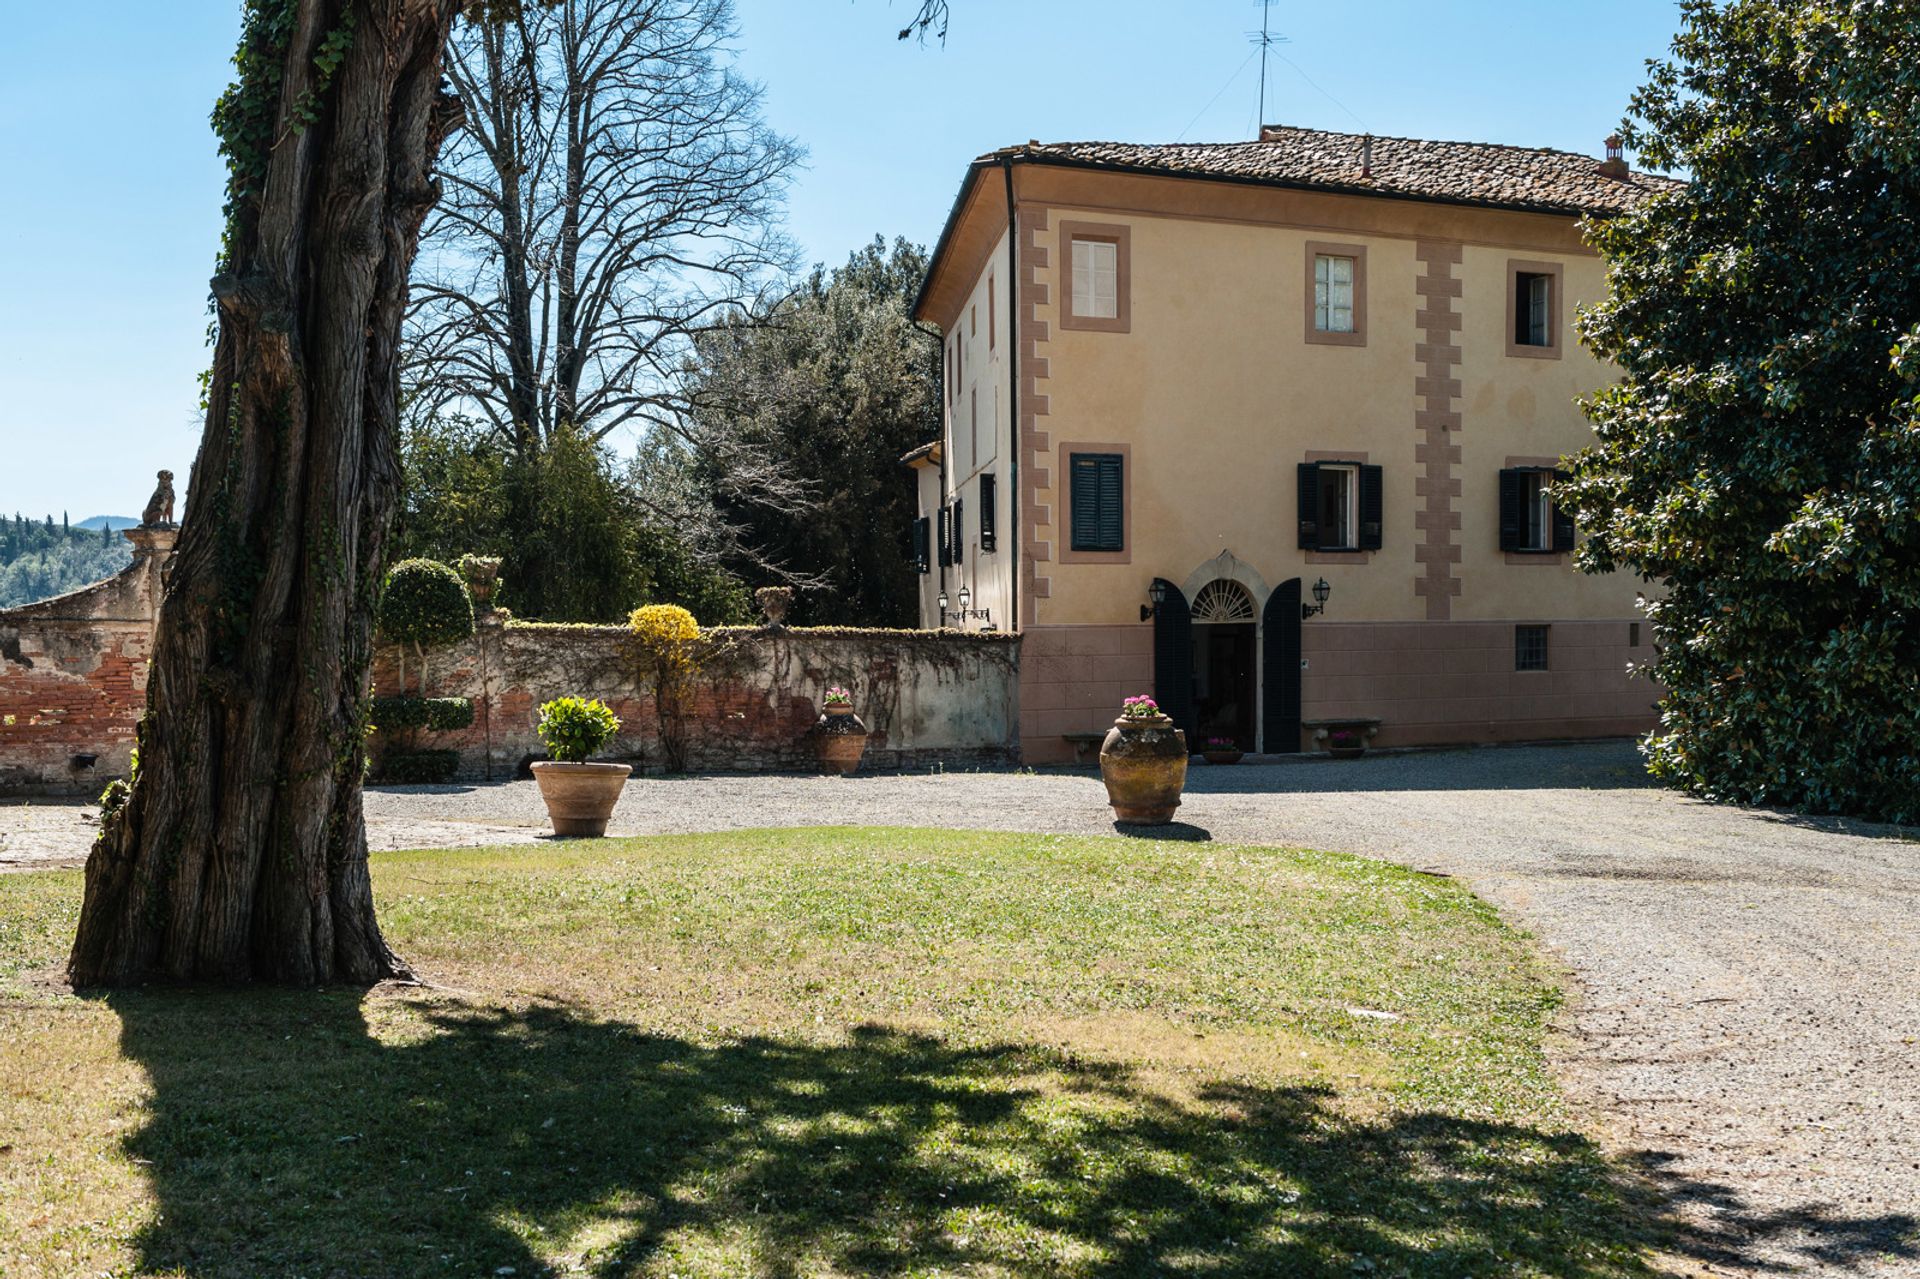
(1221, 601)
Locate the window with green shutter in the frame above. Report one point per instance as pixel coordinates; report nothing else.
(1097, 488)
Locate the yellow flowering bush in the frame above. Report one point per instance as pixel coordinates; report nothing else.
(668, 649)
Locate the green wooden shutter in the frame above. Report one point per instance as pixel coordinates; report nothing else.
(1563, 532)
(922, 551)
(959, 533)
(1310, 506)
(989, 512)
(1513, 510)
(1372, 506)
(1098, 492)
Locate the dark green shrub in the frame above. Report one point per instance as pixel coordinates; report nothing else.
(417, 768)
(425, 604)
(434, 714)
(573, 728)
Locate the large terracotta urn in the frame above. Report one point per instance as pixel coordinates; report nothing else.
(580, 797)
(842, 739)
(1143, 761)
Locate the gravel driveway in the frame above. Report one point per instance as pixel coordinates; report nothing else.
(1748, 1023)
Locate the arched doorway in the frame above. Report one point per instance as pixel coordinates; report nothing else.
(1226, 679)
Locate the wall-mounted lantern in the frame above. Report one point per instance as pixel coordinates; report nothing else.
(1158, 594)
(1320, 592)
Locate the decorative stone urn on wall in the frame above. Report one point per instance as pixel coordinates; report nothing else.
(1143, 761)
(841, 737)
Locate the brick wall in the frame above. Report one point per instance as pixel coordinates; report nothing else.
(73, 677)
(928, 698)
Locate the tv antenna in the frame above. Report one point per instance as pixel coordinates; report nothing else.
(1266, 38)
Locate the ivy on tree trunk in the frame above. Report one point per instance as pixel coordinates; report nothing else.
(241, 852)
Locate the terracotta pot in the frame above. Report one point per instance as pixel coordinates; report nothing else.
(1222, 757)
(842, 740)
(1144, 764)
(580, 797)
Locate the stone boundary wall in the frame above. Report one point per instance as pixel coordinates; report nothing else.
(73, 677)
(929, 698)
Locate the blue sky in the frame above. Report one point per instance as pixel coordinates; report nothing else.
(110, 212)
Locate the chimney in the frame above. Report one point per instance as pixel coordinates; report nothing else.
(1366, 156)
(1615, 165)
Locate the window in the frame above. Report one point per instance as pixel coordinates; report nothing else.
(989, 512)
(1336, 294)
(973, 321)
(1537, 535)
(957, 532)
(1332, 293)
(992, 313)
(1096, 279)
(1334, 509)
(1530, 523)
(1092, 279)
(1533, 309)
(973, 428)
(1097, 489)
(923, 545)
(1529, 648)
(1341, 506)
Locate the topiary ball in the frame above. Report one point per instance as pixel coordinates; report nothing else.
(425, 603)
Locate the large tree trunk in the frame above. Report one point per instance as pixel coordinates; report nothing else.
(241, 853)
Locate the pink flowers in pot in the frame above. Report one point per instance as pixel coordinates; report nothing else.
(838, 696)
(1140, 707)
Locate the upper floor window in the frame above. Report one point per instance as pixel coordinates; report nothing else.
(1095, 277)
(1529, 519)
(1533, 309)
(1336, 294)
(1332, 293)
(1341, 506)
(1097, 490)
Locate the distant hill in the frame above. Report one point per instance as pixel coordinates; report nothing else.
(39, 559)
(114, 522)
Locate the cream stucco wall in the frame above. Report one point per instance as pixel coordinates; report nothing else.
(972, 448)
(1219, 396)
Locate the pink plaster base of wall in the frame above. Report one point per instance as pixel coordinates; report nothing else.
(1073, 679)
(1446, 683)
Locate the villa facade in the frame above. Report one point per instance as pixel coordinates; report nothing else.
(1186, 384)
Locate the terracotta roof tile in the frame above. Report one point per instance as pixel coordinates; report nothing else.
(1532, 178)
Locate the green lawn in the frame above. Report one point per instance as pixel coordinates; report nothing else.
(827, 1052)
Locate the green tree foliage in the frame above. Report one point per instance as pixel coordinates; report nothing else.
(1760, 459)
(39, 561)
(835, 382)
(588, 550)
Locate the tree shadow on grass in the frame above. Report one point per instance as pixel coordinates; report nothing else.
(285, 1139)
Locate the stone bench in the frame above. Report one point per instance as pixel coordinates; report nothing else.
(1086, 746)
(1324, 729)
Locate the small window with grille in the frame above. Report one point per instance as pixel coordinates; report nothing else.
(1529, 648)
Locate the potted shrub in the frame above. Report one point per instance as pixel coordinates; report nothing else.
(1143, 761)
(841, 737)
(1221, 750)
(1347, 742)
(580, 795)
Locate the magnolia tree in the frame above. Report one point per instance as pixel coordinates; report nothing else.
(1759, 460)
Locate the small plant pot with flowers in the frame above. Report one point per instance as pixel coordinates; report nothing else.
(840, 736)
(580, 795)
(1143, 761)
(1222, 750)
